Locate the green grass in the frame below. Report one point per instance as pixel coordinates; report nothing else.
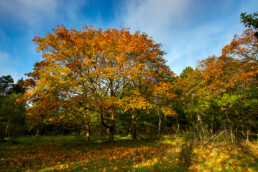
(70, 153)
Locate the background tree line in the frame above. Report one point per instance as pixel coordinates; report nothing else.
(92, 82)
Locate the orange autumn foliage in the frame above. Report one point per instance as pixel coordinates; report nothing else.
(105, 72)
(237, 67)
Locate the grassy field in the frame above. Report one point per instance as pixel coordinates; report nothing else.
(68, 153)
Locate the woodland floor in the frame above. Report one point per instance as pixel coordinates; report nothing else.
(68, 153)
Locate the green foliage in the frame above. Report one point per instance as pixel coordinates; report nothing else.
(18, 88)
(250, 20)
(186, 72)
(6, 83)
(12, 115)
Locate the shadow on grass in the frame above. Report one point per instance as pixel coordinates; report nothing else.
(185, 156)
(45, 151)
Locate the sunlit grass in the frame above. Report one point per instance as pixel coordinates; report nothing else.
(71, 153)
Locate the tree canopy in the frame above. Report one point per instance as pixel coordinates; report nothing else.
(91, 71)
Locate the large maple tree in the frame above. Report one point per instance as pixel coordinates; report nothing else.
(93, 71)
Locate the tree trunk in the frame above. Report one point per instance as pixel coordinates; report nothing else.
(200, 121)
(37, 132)
(87, 123)
(134, 136)
(178, 126)
(197, 129)
(231, 134)
(87, 131)
(247, 136)
(212, 129)
(6, 130)
(111, 134)
(159, 127)
(165, 124)
(110, 127)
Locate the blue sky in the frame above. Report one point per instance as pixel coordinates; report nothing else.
(189, 30)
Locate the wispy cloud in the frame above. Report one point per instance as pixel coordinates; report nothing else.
(31, 12)
(159, 19)
(189, 30)
(154, 17)
(30, 18)
(37, 13)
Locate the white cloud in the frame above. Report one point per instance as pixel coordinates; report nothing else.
(154, 17)
(36, 13)
(31, 12)
(72, 9)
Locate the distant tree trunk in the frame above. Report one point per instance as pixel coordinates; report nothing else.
(111, 134)
(247, 135)
(230, 128)
(200, 122)
(6, 130)
(165, 124)
(159, 126)
(178, 126)
(212, 129)
(197, 129)
(37, 132)
(134, 135)
(231, 134)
